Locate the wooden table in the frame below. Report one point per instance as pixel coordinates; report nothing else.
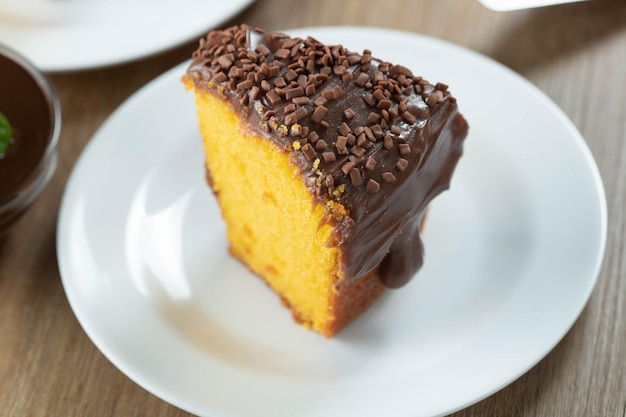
(575, 53)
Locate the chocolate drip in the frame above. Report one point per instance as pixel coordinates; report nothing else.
(406, 255)
(362, 132)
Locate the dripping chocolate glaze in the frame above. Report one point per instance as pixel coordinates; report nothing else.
(363, 132)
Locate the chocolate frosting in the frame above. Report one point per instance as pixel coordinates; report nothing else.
(363, 133)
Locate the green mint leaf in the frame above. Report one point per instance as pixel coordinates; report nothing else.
(6, 134)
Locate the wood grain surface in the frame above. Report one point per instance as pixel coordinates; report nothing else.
(575, 53)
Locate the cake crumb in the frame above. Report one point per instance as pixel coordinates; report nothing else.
(296, 130)
(339, 190)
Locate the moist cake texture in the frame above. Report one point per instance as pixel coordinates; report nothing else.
(323, 162)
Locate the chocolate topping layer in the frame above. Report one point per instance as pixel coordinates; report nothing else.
(364, 133)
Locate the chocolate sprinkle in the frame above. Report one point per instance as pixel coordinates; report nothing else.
(290, 108)
(348, 114)
(294, 92)
(309, 152)
(329, 157)
(329, 95)
(409, 117)
(388, 177)
(291, 118)
(341, 143)
(320, 145)
(320, 101)
(273, 97)
(344, 129)
(373, 117)
(301, 101)
(388, 142)
(318, 114)
(282, 54)
(402, 164)
(301, 113)
(373, 186)
(361, 79)
(355, 177)
(347, 167)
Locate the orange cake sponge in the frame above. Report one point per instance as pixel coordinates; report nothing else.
(323, 162)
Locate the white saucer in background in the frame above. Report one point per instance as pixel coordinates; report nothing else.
(67, 35)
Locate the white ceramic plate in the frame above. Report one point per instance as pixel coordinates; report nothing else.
(512, 254)
(80, 34)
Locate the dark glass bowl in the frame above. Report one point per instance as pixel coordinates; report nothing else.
(29, 101)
